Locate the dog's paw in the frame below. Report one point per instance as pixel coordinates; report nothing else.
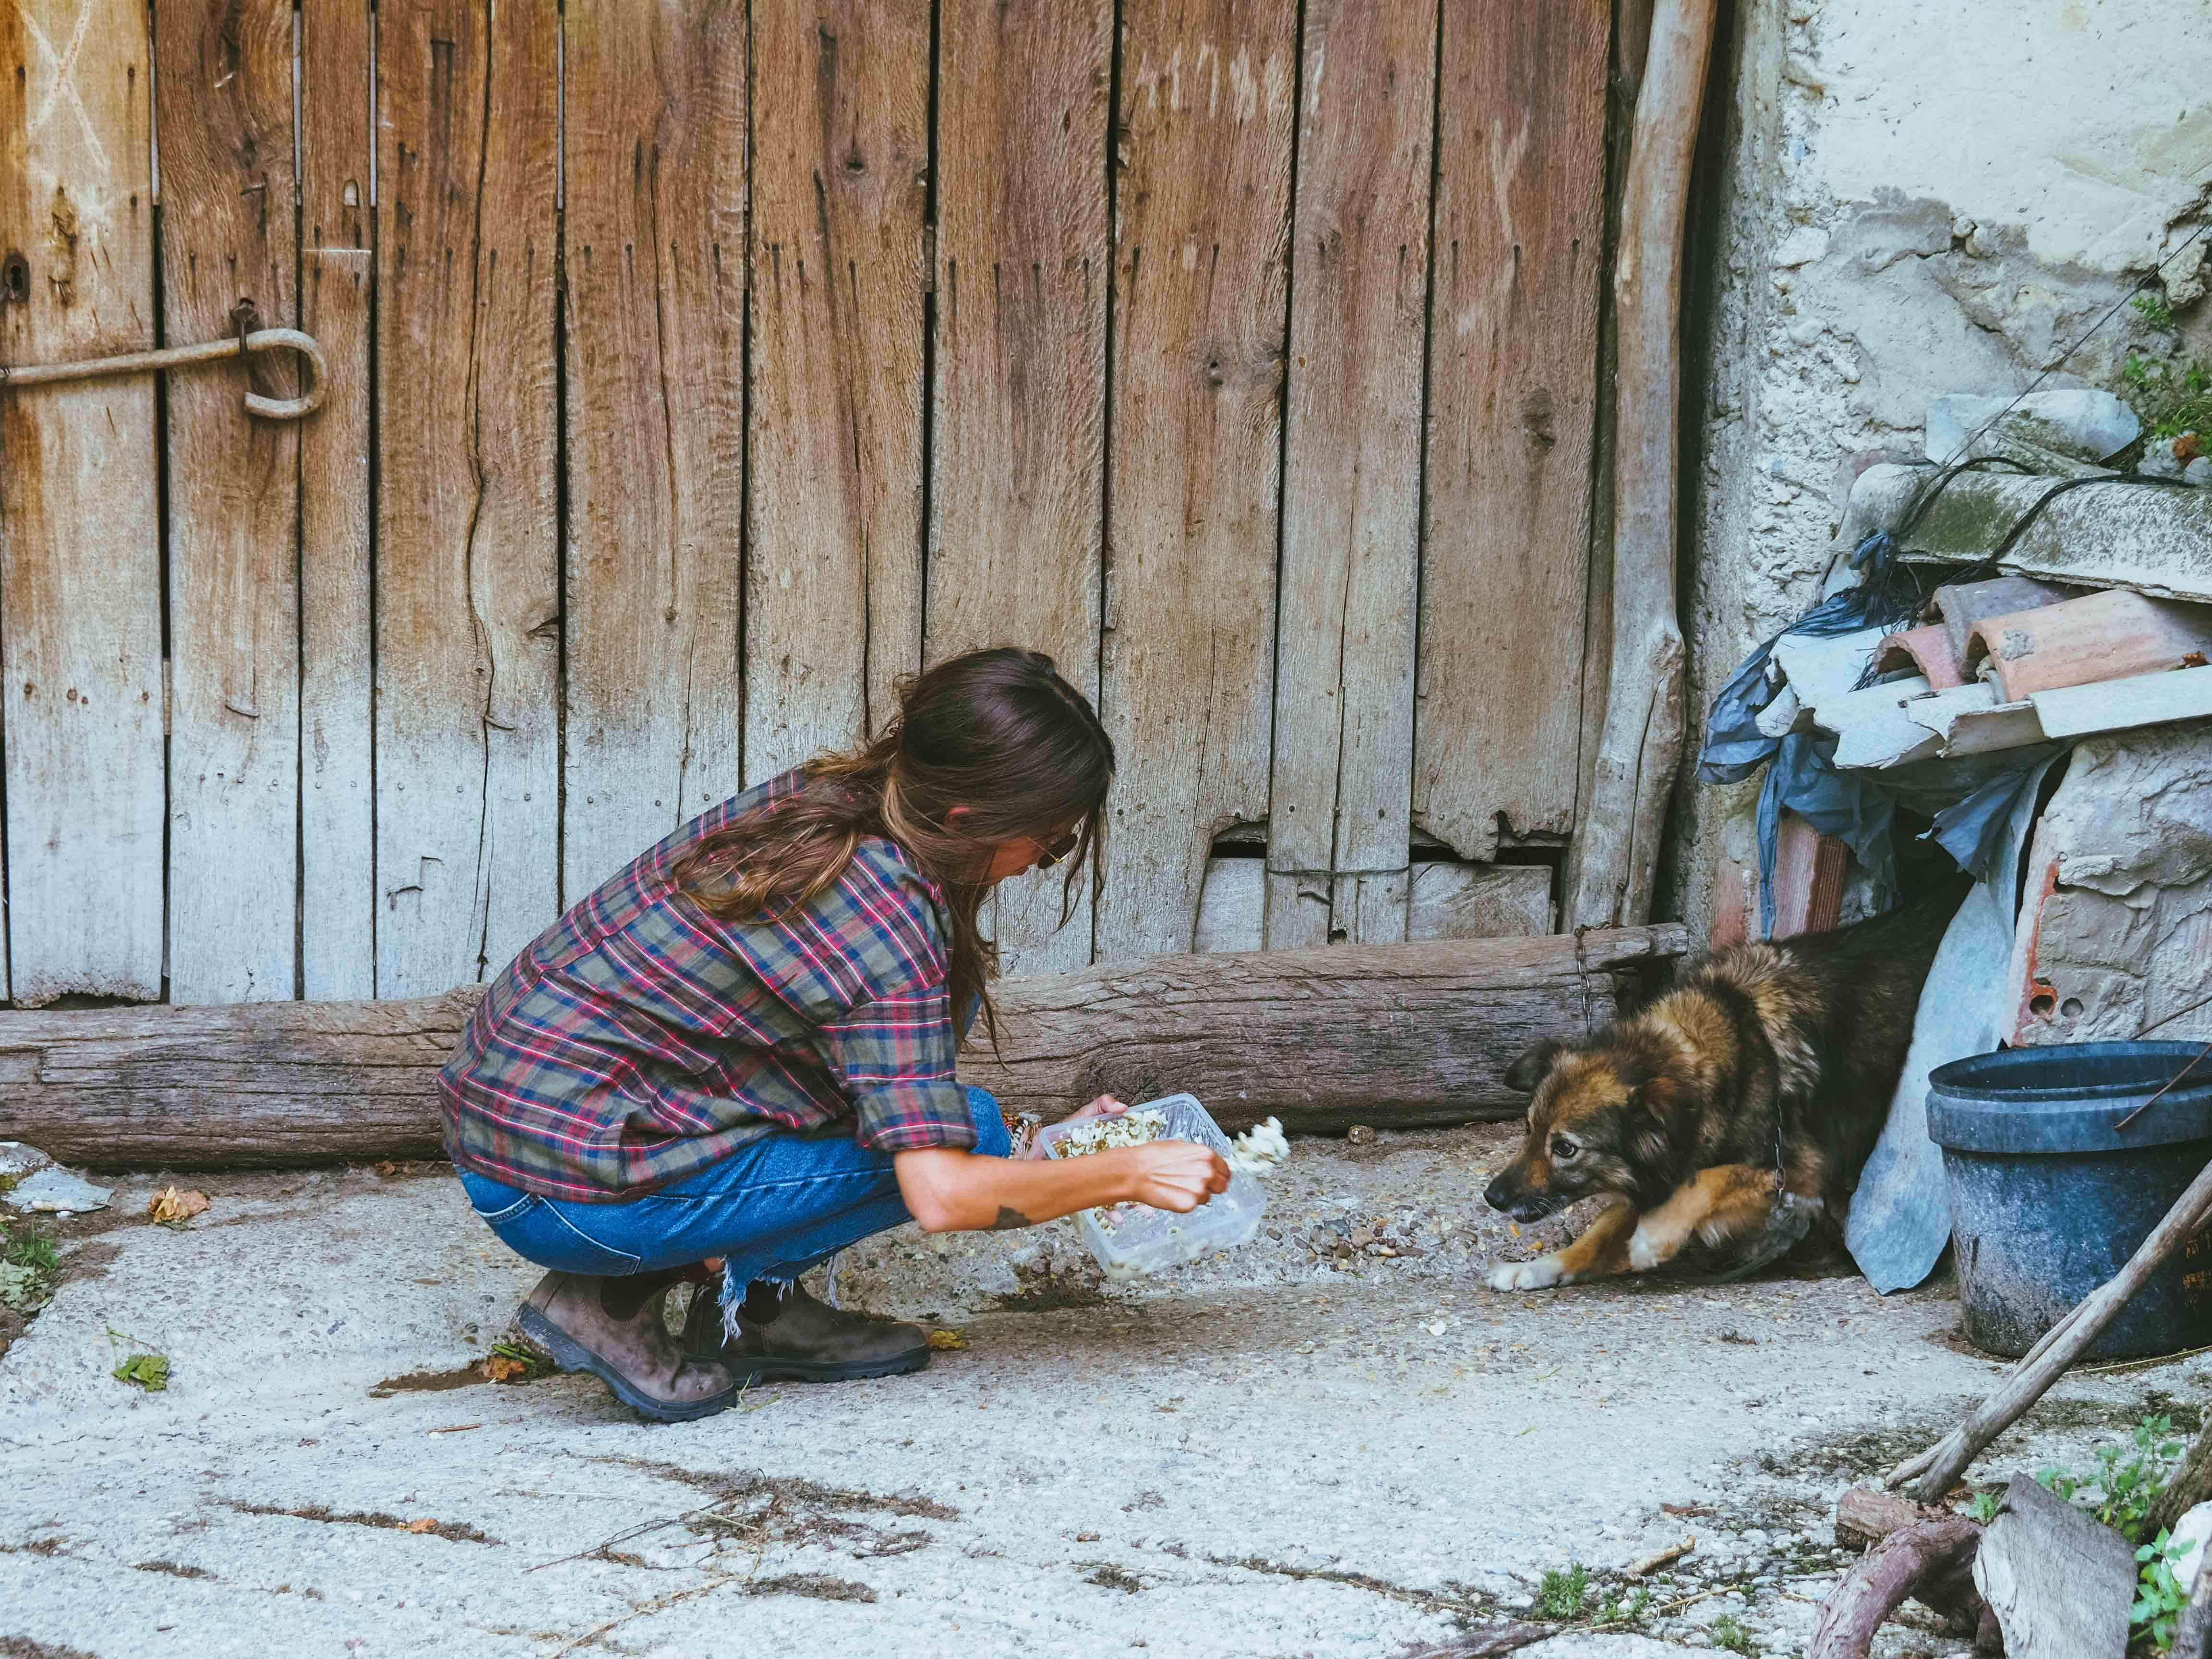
(1541, 1274)
(1643, 1252)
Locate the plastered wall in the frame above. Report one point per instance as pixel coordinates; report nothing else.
(1912, 198)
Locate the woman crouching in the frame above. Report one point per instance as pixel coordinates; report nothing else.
(741, 1047)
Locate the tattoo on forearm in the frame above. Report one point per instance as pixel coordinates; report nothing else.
(1009, 1218)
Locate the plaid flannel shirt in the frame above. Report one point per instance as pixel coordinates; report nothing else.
(640, 1039)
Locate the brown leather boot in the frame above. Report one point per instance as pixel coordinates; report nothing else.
(795, 1336)
(612, 1329)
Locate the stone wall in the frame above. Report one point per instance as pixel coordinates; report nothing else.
(1913, 199)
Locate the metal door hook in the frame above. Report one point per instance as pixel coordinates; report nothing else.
(208, 351)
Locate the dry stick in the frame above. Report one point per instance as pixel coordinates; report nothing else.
(1912, 1560)
(1640, 744)
(2060, 1346)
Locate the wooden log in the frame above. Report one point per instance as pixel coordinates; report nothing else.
(1932, 1470)
(1017, 456)
(2058, 1580)
(1411, 1034)
(654, 137)
(840, 181)
(1618, 825)
(1342, 790)
(337, 826)
(79, 558)
(1512, 397)
(228, 236)
(1865, 1516)
(1912, 1561)
(1390, 1035)
(467, 590)
(2191, 1484)
(1208, 92)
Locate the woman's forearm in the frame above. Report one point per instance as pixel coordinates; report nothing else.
(949, 1191)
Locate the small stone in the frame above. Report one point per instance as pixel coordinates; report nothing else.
(2090, 424)
(18, 1160)
(2199, 473)
(1361, 1238)
(1361, 1134)
(55, 1191)
(2159, 461)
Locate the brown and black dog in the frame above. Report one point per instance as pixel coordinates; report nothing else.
(1760, 1059)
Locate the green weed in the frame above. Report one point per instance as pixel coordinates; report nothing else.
(1614, 1610)
(2171, 398)
(2159, 1596)
(1983, 1508)
(29, 1262)
(1727, 1633)
(2128, 1480)
(1563, 1594)
(2154, 308)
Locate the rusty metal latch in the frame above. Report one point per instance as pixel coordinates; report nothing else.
(207, 351)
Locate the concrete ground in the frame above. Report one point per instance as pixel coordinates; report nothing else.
(1307, 1448)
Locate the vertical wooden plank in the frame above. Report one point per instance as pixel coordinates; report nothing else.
(1479, 901)
(654, 251)
(80, 601)
(1340, 793)
(1520, 200)
(223, 113)
(1202, 213)
(840, 175)
(468, 616)
(1018, 453)
(338, 853)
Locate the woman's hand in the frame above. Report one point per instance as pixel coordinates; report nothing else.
(1174, 1175)
(1104, 1106)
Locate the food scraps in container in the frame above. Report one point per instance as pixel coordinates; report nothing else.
(1097, 1134)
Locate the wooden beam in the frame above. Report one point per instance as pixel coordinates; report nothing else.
(1342, 782)
(1512, 395)
(80, 559)
(1383, 1034)
(1200, 217)
(1390, 1034)
(1617, 824)
(840, 180)
(653, 112)
(1018, 412)
(337, 821)
(468, 602)
(228, 236)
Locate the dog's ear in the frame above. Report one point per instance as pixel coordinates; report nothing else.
(1652, 1104)
(1525, 1074)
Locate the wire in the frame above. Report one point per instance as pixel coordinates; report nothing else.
(2147, 278)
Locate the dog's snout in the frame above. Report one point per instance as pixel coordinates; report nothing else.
(1499, 1195)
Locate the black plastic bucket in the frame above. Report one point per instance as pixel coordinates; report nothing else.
(2049, 1200)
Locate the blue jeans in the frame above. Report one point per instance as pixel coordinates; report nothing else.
(780, 1204)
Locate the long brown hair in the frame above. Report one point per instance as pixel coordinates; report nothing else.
(998, 732)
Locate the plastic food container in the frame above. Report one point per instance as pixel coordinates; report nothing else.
(1132, 1239)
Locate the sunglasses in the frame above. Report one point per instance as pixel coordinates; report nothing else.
(1050, 852)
